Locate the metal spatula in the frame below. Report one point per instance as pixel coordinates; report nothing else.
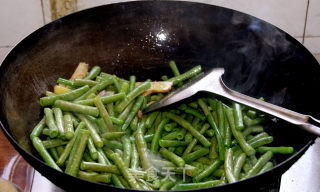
(212, 82)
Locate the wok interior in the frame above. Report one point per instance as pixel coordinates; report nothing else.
(140, 38)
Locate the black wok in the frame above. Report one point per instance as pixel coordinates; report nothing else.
(140, 38)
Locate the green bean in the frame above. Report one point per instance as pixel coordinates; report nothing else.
(156, 97)
(221, 118)
(172, 143)
(168, 127)
(65, 82)
(132, 95)
(238, 165)
(228, 165)
(179, 150)
(209, 133)
(197, 147)
(116, 181)
(76, 108)
(261, 161)
(249, 150)
(257, 137)
(262, 141)
(95, 177)
(188, 137)
(123, 116)
(54, 143)
(63, 157)
(60, 150)
(175, 71)
(38, 145)
(172, 157)
(181, 133)
(204, 107)
(126, 151)
(195, 140)
(83, 82)
(192, 111)
(266, 167)
(116, 83)
(59, 121)
(92, 149)
(38, 128)
(134, 157)
(49, 100)
(212, 103)
(76, 154)
(252, 129)
(49, 119)
(218, 136)
(251, 113)
(251, 122)
(116, 121)
(151, 118)
(105, 99)
(46, 131)
(94, 134)
(142, 149)
(167, 185)
(99, 167)
(171, 135)
(193, 104)
(125, 172)
(191, 129)
(134, 123)
(113, 135)
(149, 137)
(54, 153)
(133, 112)
(112, 144)
(237, 113)
(164, 78)
(276, 150)
(98, 87)
(228, 133)
(196, 155)
(93, 73)
(213, 153)
(187, 75)
(132, 82)
(171, 149)
(209, 170)
(103, 113)
(49, 93)
(68, 126)
(125, 87)
(91, 96)
(155, 141)
(86, 156)
(102, 125)
(206, 184)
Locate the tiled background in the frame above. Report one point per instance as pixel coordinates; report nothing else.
(300, 18)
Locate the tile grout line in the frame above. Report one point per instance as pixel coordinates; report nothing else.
(6, 46)
(43, 19)
(305, 22)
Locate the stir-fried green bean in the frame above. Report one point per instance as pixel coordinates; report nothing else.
(97, 131)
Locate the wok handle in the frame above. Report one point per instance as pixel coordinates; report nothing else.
(306, 122)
